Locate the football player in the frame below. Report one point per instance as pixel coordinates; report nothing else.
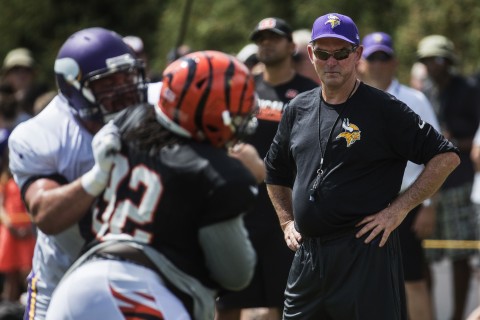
(169, 225)
(97, 76)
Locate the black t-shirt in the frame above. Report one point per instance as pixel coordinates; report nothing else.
(364, 162)
(163, 198)
(272, 102)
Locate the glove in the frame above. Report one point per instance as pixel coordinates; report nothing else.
(105, 144)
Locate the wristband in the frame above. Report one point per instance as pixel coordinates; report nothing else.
(95, 181)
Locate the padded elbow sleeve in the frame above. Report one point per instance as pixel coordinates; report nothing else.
(229, 254)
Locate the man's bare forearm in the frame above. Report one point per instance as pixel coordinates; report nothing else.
(429, 181)
(281, 198)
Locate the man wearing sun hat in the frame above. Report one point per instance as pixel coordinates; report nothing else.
(456, 101)
(379, 66)
(19, 71)
(334, 172)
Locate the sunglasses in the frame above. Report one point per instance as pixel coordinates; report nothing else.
(341, 54)
(379, 56)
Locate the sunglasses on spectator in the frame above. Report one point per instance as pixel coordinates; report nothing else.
(379, 56)
(341, 54)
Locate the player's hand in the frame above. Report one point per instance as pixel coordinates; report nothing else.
(248, 155)
(380, 224)
(292, 237)
(105, 144)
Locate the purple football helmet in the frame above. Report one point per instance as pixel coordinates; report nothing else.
(90, 56)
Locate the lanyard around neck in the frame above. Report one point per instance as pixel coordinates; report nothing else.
(320, 171)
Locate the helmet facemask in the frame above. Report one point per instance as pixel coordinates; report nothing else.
(97, 73)
(116, 90)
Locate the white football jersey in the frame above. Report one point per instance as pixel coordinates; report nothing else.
(52, 143)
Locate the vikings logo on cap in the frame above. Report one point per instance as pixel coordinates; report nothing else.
(351, 133)
(335, 25)
(377, 37)
(333, 20)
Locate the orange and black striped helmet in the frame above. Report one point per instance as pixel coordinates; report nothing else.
(208, 96)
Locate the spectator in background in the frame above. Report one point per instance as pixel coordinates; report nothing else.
(248, 55)
(303, 64)
(137, 45)
(17, 236)
(18, 71)
(275, 86)
(418, 76)
(378, 66)
(178, 52)
(475, 196)
(11, 113)
(455, 100)
(42, 101)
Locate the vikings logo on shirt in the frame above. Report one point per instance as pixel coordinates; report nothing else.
(333, 20)
(351, 133)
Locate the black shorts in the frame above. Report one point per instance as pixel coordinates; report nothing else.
(267, 287)
(413, 255)
(345, 279)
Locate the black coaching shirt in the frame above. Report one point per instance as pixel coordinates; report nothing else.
(364, 160)
(162, 198)
(272, 101)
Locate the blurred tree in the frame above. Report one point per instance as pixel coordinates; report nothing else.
(43, 25)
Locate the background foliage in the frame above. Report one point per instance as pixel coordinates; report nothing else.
(43, 25)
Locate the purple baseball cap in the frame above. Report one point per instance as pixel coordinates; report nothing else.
(335, 25)
(377, 41)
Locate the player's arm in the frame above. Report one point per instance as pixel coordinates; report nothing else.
(249, 157)
(55, 207)
(229, 254)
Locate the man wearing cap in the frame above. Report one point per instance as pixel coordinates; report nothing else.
(275, 86)
(455, 99)
(334, 173)
(18, 71)
(378, 67)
